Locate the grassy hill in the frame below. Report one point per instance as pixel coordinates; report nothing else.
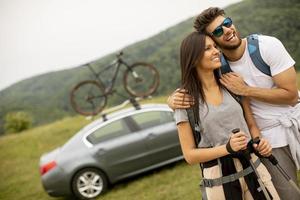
(46, 97)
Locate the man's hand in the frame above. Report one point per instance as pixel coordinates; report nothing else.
(264, 148)
(234, 82)
(180, 99)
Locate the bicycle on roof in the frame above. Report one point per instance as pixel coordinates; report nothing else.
(89, 97)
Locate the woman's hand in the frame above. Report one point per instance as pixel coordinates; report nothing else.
(238, 141)
(264, 148)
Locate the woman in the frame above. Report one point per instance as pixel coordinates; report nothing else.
(219, 114)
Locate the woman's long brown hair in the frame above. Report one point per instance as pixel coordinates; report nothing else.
(191, 52)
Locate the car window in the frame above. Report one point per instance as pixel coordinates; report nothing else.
(152, 118)
(109, 131)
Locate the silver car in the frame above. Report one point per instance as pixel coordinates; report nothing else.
(123, 144)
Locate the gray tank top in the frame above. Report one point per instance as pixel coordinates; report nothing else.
(217, 121)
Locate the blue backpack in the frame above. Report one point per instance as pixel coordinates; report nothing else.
(253, 48)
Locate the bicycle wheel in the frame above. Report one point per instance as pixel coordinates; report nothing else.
(88, 98)
(141, 79)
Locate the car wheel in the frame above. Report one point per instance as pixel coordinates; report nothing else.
(89, 183)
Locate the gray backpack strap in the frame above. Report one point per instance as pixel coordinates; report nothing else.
(194, 125)
(229, 178)
(253, 49)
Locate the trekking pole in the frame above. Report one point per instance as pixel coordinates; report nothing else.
(274, 161)
(248, 157)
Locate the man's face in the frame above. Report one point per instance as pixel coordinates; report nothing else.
(230, 39)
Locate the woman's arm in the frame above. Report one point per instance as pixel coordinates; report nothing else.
(195, 155)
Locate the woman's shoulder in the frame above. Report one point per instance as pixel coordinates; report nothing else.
(231, 95)
(180, 115)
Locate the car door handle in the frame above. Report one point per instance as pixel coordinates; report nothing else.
(101, 151)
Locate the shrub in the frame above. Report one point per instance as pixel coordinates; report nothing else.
(15, 122)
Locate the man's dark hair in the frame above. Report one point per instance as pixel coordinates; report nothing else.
(206, 17)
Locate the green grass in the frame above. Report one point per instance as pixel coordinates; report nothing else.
(20, 179)
(20, 155)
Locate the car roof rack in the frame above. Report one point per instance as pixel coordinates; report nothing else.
(133, 101)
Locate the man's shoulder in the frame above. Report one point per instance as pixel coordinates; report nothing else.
(268, 45)
(267, 39)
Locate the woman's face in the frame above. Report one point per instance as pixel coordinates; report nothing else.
(211, 57)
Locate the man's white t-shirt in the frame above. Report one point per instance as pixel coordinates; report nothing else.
(275, 55)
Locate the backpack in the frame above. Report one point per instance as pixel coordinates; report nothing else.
(253, 49)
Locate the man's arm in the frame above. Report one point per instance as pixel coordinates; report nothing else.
(264, 147)
(286, 92)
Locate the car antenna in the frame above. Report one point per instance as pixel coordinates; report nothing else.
(104, 117)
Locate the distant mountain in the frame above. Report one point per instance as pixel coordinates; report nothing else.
(46, 96)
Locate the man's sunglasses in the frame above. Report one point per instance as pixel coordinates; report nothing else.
(219, 30)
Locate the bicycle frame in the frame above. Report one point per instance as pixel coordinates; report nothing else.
(115, 63)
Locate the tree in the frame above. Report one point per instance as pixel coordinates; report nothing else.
(15, 122)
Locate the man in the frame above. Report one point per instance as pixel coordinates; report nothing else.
(273, 99)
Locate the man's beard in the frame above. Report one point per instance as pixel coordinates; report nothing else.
(232, 47)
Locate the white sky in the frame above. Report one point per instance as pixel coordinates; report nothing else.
(39, 36)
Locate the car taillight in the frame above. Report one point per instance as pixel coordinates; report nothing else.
(46, 167)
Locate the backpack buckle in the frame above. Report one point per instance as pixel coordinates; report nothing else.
(207, 183)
